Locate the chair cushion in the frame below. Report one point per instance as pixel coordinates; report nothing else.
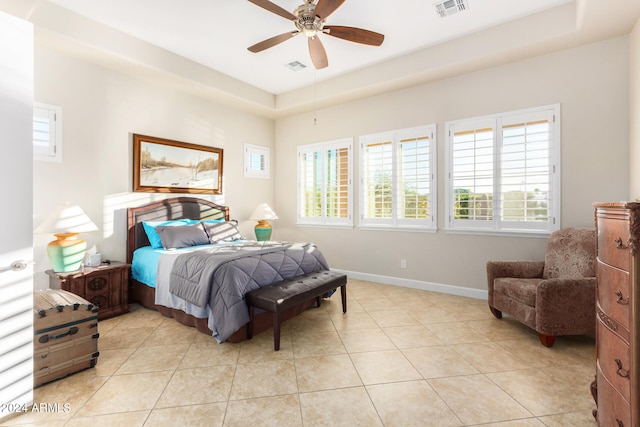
(521, 290)
(571, 252)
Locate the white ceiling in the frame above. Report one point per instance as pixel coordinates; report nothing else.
(216, 33)
(200, 46)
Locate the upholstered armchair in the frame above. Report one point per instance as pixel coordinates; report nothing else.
(554, 297)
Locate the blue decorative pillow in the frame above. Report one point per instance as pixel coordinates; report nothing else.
(152, 234)
(205, 221)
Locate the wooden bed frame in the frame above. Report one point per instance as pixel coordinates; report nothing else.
(178, 208)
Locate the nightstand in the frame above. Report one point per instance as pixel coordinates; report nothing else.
(106, 286)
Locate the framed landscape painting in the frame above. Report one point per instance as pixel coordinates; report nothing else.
(166, 166)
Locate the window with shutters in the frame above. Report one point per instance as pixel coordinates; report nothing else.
(398, 179)
(325, 183)
(256, 161)
(47, 132)
(504, 172)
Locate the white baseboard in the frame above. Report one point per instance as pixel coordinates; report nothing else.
(417, 284)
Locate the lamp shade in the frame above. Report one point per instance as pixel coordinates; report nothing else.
(263, 211)
(66, 253)
(66, 219)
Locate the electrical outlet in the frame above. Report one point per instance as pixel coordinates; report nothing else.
(403, 263)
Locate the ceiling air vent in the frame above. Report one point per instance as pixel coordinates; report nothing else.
(449, 7)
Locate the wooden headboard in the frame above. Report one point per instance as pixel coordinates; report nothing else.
(173, 208)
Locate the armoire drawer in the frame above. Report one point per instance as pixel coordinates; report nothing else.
(614, 360)
(614, 293)
(613, 410)
(613, 242)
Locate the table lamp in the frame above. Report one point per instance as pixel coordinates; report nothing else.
(263, 213)
(66, 253)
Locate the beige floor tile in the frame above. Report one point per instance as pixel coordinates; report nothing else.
(197, 385)
(377, 304)
(412, 403)
(549, 391)
(277, 411)
(347, 407)
(201, 354)
(475, 399)
(428, 315)
(438, 361)
(170, 332)
(260, 348)
(456, 333)
(264, 379)
(110, 361)
(318, 344)
(123, 338)
(127, 393)
(150, 359)
(411, 336)
(389, 318)
(209, 415)
(366, 340)
(490, 357)
(129, 419)
(326, 372)
(384, 366)
(504, 329)
(526, 422)
(351, 321)
(571, 419)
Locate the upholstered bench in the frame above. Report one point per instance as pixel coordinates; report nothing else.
(283, 295)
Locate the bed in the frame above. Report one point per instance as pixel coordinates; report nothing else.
(154, 289)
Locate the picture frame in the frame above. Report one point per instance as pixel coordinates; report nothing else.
(166, 166)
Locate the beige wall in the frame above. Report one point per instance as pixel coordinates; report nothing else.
(101, 108)
(592, 85)
(634, 112)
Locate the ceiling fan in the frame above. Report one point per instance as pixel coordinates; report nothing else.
(309, 19)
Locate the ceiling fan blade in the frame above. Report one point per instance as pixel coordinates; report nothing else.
(357, 35)
(274, 8)
(324, 8)
(266, 44)
(317, 52)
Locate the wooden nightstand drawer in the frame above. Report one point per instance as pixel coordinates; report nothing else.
(106, 286)
(613, 242)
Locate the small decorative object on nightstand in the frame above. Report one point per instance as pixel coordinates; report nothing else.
(263, 213)
(105, 286)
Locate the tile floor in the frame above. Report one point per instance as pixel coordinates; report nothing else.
(399, 357)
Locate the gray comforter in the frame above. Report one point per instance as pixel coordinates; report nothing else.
(221, 276)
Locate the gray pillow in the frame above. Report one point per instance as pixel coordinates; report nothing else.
(182, 236)
(222, 232)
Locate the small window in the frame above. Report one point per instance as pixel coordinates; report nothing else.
(256, 161)
(47, 132)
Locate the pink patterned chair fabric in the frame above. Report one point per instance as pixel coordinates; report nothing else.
(554, 297)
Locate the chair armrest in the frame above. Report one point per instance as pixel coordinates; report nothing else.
(566, 306)
(519, 269)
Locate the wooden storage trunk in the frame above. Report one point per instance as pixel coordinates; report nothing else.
(65, 334)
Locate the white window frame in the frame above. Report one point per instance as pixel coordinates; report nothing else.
(395, 223)
(496, 225)
(323, 149)
(47, 140)
(250, 171)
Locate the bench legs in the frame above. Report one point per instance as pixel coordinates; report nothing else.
(277, 321)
